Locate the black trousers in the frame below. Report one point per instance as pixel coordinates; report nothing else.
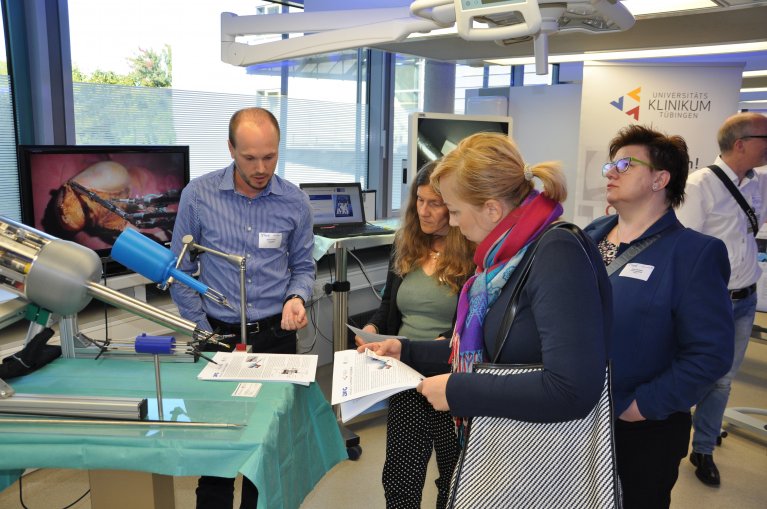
(413, 429)
(648, 456)
(218, 492)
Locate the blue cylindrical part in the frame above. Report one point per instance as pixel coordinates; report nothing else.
(155, 344)
(143, 255)
(188, 280)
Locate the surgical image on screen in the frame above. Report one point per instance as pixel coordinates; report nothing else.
(92, 198)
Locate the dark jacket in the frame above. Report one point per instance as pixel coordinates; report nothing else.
(672, 334)
(562, 321)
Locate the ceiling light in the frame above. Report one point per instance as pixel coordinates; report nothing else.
(754, 74)
(642, 7)
(638, 54)
(755, 89)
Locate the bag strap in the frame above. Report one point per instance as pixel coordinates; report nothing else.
(527, 260)
(630, 253)
(735, 192)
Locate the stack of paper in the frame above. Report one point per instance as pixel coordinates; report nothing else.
(261, 367)
(360, 380)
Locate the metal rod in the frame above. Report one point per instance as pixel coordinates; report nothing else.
(119, 422)
(237, 260)
(159, 387)
(234, 259)
(243, 314)
(340, 299)
(170, 280)
(67, 331)
(143, 309)
(340, 304)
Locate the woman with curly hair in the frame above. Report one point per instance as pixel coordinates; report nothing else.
(429, 264)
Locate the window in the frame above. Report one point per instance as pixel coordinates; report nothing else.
(531, 78)
(9, 174)
(317, 100)
(408, 98)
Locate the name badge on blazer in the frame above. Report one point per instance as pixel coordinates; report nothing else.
(637, 271)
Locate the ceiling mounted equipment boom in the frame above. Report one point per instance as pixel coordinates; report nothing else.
(502, 21)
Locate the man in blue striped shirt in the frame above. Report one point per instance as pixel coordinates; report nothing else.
(247, 210)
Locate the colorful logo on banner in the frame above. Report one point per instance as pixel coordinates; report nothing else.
(620, 103)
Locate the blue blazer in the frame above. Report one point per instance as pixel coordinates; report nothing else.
(672, 334)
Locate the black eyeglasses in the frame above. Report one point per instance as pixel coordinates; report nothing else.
(754, 136)
(622, 165)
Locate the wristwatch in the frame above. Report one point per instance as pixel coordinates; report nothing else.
(293, 296)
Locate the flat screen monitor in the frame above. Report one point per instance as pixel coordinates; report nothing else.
(432, 135)
(90, 194)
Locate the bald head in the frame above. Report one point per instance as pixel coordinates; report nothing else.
(739, 126)
(256, 116)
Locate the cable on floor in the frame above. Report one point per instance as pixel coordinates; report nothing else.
(21, 496)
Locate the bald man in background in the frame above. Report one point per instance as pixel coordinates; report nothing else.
(711, 208)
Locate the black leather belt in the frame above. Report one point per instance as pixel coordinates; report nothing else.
(253, 327)
(742, 293)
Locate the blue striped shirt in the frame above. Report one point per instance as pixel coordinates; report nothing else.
(220, 218)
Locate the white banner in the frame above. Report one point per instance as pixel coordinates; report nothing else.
(691, 100)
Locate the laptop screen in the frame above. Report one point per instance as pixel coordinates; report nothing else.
(334, 204)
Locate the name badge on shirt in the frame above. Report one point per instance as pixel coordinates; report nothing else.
(269, 240)
(637, 271)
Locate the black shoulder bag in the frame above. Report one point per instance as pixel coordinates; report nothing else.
(513, 464)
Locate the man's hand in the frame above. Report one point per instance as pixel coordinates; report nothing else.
(389, 347)
(368, 328)
(434, 389)
(293, 315)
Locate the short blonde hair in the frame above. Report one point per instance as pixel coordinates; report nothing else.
(489, 166)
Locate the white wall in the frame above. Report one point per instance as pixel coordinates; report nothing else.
(546, 127)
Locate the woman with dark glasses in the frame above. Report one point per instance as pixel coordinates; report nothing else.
(672, 325)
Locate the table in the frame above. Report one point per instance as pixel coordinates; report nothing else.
(291, 439)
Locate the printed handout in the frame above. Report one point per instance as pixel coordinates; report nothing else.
(360, 380)
(261, 367)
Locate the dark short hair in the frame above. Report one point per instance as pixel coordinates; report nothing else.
(251, 115)
(666, 153)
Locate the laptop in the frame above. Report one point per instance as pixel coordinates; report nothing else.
(339, 212)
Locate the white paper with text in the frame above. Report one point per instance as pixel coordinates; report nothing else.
(360, 380)
(261, 367)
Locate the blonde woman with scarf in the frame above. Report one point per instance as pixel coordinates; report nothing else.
(564, 311)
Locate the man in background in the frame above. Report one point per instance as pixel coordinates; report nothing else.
(247, 210)
(730, 214)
